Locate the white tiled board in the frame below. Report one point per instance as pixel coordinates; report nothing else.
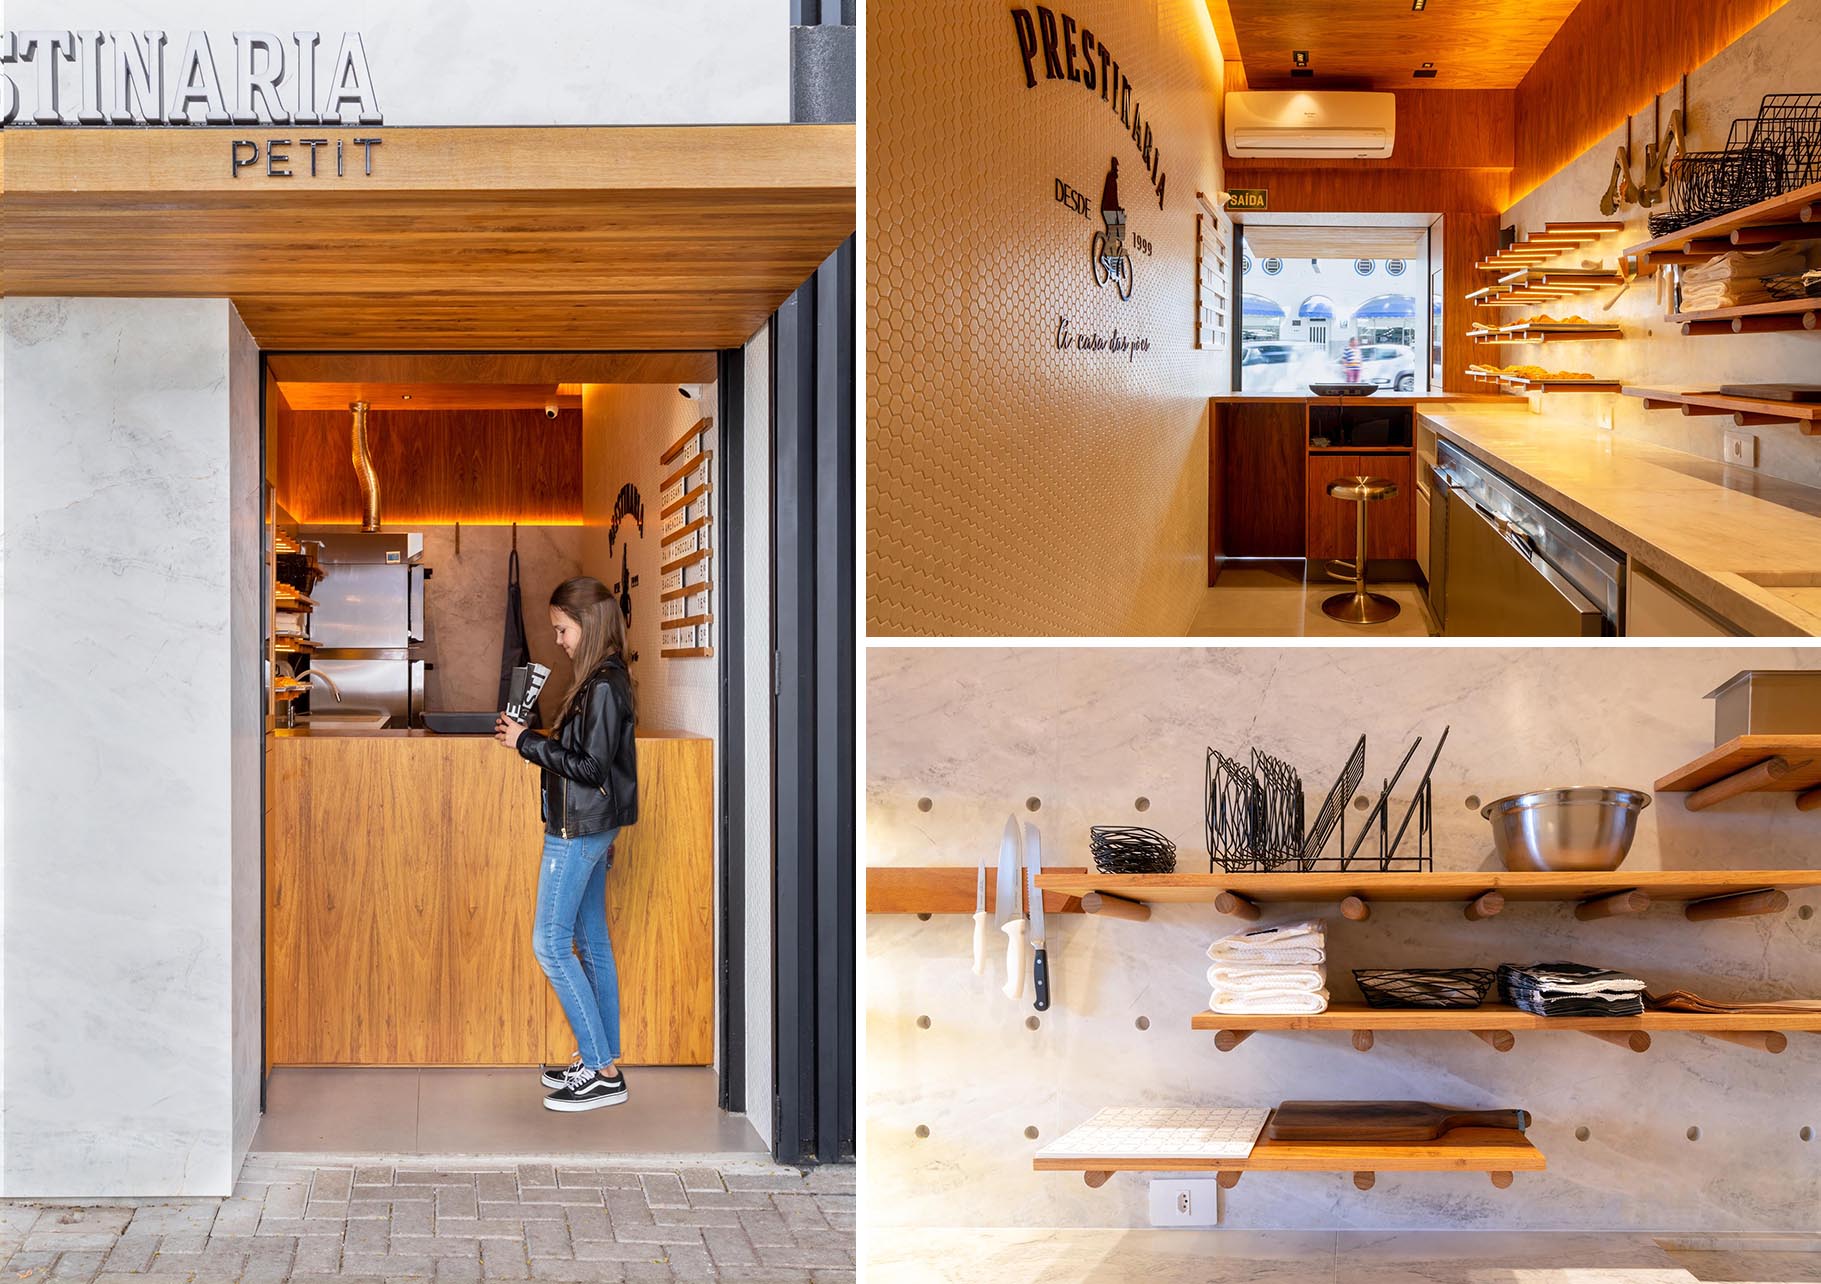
(1227, 1132)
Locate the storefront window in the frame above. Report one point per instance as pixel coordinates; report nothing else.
(1333, 320)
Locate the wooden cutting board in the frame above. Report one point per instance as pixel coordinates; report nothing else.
(1381, 1120)
(1773, 391)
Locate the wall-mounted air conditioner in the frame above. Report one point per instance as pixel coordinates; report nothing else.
(1304, 124)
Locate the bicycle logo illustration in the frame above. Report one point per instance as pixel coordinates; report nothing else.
(1106, 251)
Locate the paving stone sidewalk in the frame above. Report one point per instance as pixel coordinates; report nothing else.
(395, 1222)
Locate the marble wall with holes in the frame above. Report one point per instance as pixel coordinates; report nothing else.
(1779, 55)
(963, 1085)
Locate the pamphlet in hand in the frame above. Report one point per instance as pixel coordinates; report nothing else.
(521, 696)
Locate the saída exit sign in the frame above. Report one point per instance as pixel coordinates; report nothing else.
(1249, 198)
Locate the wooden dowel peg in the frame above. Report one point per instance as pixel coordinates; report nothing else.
(1776, 324)
(1095, 1180)
(1228, 1178)
(1631, 1040)
(1355, 909)
(1772, 1041)
(1501, 1180)
(1237, 906)
(1809, 800)
(1631, 902)
(1227, 1040)
(1772, 233)
(1362, 1040)
(1364, 1181)
(1497, 1040)
(1115, 907)
(1761, 776)
(1484, 906)
(1738, 905)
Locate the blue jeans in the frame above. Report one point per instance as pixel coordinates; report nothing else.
(572, 912)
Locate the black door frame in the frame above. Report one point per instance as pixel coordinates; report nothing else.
(813, 415)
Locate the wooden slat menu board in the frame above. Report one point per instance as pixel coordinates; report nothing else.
(1213, 254)
(685, 533)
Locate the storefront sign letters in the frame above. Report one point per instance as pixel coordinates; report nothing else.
(122, 78)
(1068, 51)
(280, 160)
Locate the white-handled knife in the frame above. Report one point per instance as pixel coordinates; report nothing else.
(1010, 909)
(980, 920)
(1040, 960)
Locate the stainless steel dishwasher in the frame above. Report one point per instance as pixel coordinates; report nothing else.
(1505, 564)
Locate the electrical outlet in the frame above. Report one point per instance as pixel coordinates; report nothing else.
(1606, 417)
(1185, 1203)
(1741, 449)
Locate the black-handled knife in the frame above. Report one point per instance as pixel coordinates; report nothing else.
(1040, 967)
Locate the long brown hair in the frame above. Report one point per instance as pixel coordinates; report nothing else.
(586, 600)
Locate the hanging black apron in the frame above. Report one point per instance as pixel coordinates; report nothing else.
(516, 650)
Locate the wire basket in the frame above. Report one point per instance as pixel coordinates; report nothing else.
(1129, 849)
(1766, 156)
(1424, 987)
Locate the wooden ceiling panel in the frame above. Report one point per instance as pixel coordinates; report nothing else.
(627, 239)
(495, 367)
(1378, 44)
(429, 396)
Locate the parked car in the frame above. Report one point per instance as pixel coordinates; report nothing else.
(1388, 365)
(1283, 366)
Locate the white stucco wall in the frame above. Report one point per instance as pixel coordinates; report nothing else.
(132, 809)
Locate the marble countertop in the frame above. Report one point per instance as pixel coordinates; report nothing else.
(1746, 546)
(1376, 399)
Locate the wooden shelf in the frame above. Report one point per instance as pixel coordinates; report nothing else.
(1554, 239)
(1577, 280)
(292, 646)
(1498, 1151)
(1716, 235)
(1751, 764)
(1778, 316)
(1548, 334)
(1522, 385)
(950, 889)
(1440, 886)
(289, 599)
(1500, 1016)
(1746, 411)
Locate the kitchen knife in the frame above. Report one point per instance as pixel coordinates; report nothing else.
(980, 919)
(1040, 963)
(1010, 909)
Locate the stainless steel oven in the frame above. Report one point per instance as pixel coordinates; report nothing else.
(1505, 564)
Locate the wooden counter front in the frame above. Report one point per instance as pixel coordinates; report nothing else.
(401, 884)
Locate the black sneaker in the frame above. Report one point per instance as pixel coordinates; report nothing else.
(583, 1089)
(553, 1075)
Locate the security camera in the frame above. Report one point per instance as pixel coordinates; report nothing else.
(684, 390)
(550, 410)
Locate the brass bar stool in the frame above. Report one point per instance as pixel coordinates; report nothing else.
(1359, 606)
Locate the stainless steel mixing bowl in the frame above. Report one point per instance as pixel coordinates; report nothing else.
(1582, 828)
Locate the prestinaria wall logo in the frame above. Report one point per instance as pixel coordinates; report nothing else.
(125, 78)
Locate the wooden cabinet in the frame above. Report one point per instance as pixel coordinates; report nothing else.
(1259, 453)
(1391, 523)
(401, 885)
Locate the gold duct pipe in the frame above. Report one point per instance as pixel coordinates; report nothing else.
(363, 470)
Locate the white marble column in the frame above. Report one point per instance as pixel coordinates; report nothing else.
(131, 660)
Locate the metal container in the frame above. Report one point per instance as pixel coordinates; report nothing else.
(1580, 828)
(1767, 702)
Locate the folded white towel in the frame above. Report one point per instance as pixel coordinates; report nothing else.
(1228, 977)
(1237, 1003)
(1296, 943)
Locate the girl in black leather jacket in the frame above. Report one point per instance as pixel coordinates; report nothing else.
(590, 790)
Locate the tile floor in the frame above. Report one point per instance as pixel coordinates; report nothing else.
(974, 1256)
(382, 1221)
(1283, 599)
(671, 1111)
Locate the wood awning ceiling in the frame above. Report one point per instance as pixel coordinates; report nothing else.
(627, 239)
(1378, 44)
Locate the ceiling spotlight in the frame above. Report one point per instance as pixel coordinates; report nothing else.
(1425, 72)
(1300, 57)
(1417, 6)
(404, 396)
